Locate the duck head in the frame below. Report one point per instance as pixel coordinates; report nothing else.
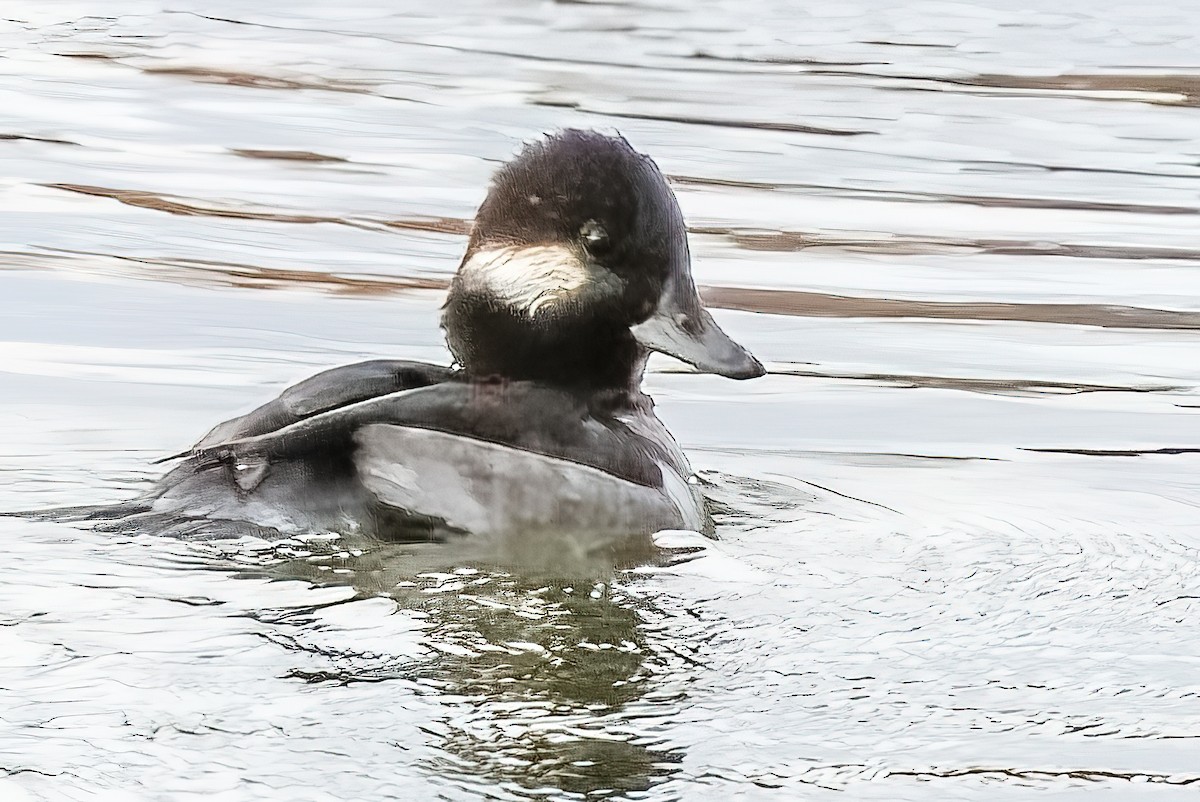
(577, 265)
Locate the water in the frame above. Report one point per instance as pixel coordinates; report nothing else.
(958, 538)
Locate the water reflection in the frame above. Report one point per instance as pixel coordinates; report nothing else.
(540, 671)
(545, 697)
(549, 673)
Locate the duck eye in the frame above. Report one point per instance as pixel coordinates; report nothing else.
(594, 237)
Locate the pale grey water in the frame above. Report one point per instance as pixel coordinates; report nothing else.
(974, 268)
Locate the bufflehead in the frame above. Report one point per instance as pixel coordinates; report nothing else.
(577, 266)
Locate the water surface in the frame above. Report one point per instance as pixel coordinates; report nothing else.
(957, 523)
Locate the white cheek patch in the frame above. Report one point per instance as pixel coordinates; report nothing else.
(537, 278)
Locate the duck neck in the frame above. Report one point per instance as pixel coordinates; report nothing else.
(591, 353)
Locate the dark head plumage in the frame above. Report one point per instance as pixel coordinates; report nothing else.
(579, 243)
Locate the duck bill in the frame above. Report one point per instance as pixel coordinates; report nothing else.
(683, 328)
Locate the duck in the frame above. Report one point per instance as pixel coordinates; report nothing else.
(577, 267)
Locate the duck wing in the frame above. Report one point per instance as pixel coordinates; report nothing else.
(331, 389)
(479, 458)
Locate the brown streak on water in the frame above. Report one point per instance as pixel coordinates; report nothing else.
(910, 196)
(437, 225)
(813, 304)
(706, 55)
(1187, 86)
(286, 155)
(238, 78)
(161, 203)
(762, 125)
(979, 385)
(1120, 452)
(785, 241)
(28, 138)
(95, 56)
(193, 208)
(209, 273)
(1139, 88)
